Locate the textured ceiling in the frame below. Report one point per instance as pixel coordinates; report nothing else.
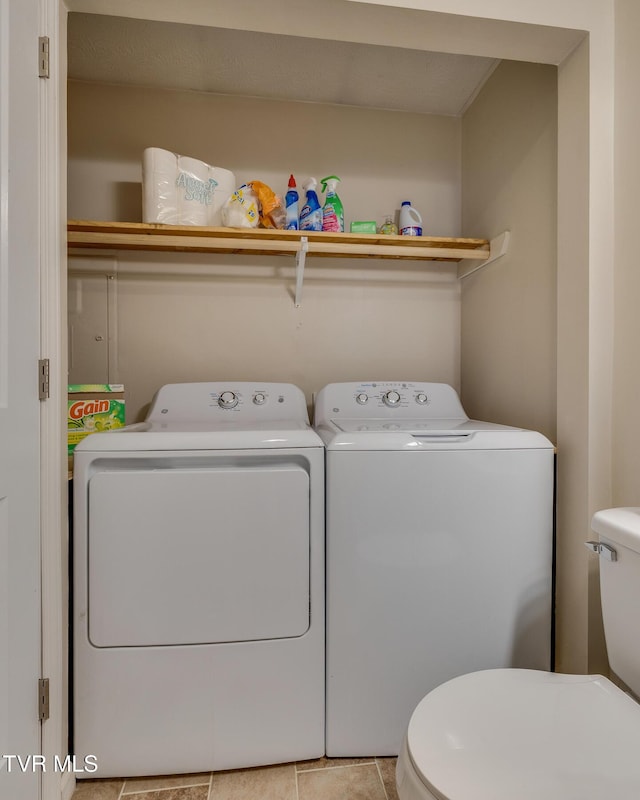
(177, 56)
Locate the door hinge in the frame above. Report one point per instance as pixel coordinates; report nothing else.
(43, 379)
(43, 699)
(43, 57)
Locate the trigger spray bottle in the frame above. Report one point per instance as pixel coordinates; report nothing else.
(332, 212)
(311, 212)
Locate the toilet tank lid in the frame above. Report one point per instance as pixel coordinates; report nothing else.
(620, 525)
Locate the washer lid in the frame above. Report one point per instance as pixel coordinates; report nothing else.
(422, 435)
(505, 734)
(418, 427)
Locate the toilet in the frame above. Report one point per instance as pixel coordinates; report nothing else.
(517, 734)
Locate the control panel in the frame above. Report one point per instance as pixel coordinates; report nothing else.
(229, 399)
(233, 401)
(388, 399)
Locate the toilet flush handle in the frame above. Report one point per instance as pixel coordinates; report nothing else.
(602, 550)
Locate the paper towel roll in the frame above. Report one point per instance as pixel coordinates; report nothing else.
(159, 190)
(224, 182)
(180, 190)
(195, 192)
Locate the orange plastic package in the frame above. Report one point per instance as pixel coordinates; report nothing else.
(272, 212)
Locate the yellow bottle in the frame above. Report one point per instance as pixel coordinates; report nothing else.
(388, 226)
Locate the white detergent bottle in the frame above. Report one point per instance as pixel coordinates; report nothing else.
(410, 220)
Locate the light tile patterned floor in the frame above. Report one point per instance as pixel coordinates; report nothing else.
(321, 779)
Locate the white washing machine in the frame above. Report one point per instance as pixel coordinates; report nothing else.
(439, 553)
(199, 584)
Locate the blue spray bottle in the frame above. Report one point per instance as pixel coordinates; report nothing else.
(291, 206)
(311, 214)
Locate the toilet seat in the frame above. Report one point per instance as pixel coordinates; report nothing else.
(510, 733)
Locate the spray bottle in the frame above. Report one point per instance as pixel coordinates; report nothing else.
(291, 206)
(333, 212)
(311, 214)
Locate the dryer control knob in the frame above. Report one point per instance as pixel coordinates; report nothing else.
(362, 398)
(228, 400)
(259, 398)
(421, 398)
(391, 398)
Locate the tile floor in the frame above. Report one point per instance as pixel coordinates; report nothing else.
(321, 779)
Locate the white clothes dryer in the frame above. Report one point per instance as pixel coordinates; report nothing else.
(439, 553)
(199, 584)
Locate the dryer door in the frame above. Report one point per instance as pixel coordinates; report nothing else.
(196, 556)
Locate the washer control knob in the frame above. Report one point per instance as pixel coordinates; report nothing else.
(391, 398)
(259, 398)
(421, 398)
(228, 400)
(362, 398)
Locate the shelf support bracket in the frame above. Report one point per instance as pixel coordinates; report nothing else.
(301, 257)
(498, 247)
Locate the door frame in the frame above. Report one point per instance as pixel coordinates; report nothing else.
(53, 468)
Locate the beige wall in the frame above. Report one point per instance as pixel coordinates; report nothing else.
(626, 387)
(520, 361)
(509, 182)
(577, 588)
(216, 318)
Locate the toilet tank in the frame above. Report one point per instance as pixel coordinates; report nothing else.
(619, 534)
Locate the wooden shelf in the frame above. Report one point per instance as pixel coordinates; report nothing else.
(259, 241)
(83, 234)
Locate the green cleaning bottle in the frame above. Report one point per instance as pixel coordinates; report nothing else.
(332, 211)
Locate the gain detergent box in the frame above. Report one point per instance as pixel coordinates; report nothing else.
(93, 407)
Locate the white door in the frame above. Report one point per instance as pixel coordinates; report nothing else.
(20, 636)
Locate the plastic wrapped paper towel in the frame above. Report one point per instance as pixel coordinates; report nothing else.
(179, 190)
